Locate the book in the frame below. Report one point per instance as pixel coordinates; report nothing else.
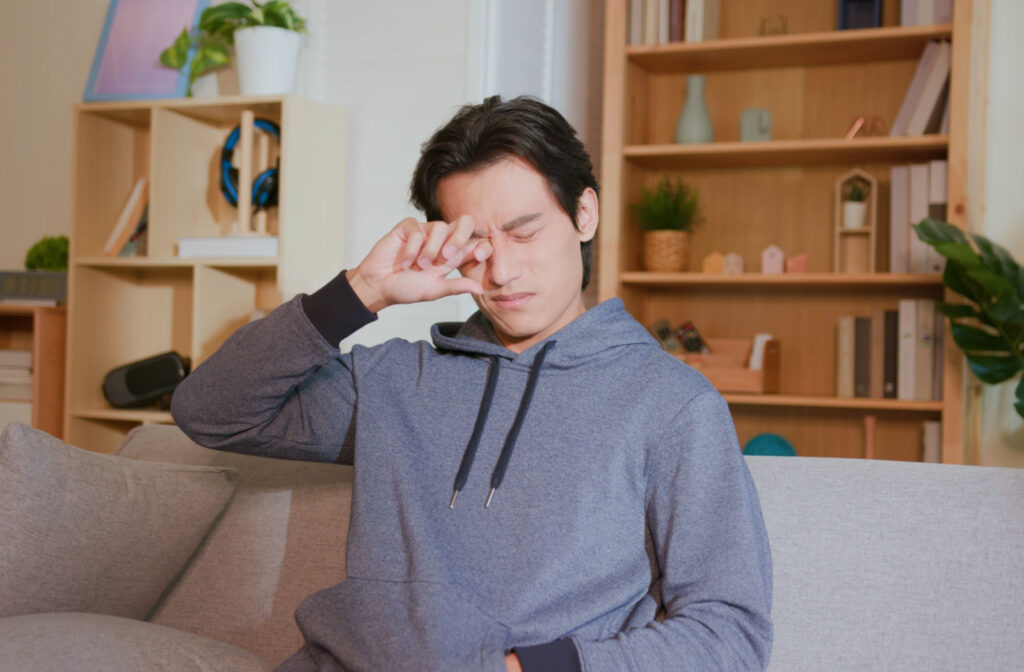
(935, 81)
(15, 411)
(675, 18)
(925, 13)
(910, 98)
(938, 365)
(877, 377)
(906, 352)
(136, 245)
(33, 288)
(129, 216)
(651, 22)
(944, 122)
(15, 376)
(892, 340)
(228, 246)
(702, 19)
(861, 356)
(908, 12)
(931, 441)
(925, 352)
(844, 356)
(19, 391)
(937, 177)
(918, 210)
(636, 22)
(899, 219)
(943, 11)
(663, 24)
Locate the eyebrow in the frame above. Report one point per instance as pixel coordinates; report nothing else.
(510, 225)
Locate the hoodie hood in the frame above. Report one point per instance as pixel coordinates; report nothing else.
(604, 327)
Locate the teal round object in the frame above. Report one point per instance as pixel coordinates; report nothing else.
(769, 444)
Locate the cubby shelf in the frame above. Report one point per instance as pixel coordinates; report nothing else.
(813, 401)
(642, 278)
(123, 309)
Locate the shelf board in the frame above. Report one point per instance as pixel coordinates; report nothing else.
(815, 401)
(172, 262)
(833, 47)
(790, 279)
(787, 152)
(146, 416)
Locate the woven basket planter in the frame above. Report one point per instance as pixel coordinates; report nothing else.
(666, 251)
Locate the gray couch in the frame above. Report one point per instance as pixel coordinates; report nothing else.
(878, 565)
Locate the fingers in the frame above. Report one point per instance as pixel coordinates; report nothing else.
(411, 232)
(446, 242)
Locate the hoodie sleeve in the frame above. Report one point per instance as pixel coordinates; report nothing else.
(279, 387)
(712, 548)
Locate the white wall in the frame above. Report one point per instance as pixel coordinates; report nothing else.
(1002, 428)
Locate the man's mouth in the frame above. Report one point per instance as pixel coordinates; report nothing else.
(511, 301)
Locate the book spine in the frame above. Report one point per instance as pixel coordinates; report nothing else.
(938, 366)
(907, 353)
(844, 357)
(712, 19)
(931, 92)
(925, 352)
(862, 357)
(899, 219)
(892, 340)
(877, 375)
(937, 176)
(636, 22)
(918, 206)
(913, 94)
(931, 441)
(651, 22)
(663, 22)
(675, 33)
(694, 20)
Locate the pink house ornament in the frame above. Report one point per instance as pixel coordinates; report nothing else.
(772, 260)
(797, 263)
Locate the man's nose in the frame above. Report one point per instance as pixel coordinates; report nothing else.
(502, 266)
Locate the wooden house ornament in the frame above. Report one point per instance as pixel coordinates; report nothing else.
(855, 223)
(772, 260)
(713, 263)
(797, 263)
(732, 264)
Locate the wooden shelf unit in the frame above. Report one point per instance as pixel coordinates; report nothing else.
(125, 309)
(815, 81)
(41, 329)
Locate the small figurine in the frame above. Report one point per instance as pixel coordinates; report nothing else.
(772, 260)
(733, 264)
(797, 263)
(713, 262)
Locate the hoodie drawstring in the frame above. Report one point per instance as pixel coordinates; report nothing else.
(513, 434)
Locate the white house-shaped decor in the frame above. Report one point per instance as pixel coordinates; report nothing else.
(773, 260)
(733, 264)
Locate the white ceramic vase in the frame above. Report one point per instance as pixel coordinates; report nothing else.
(694, 123)
(267, 59)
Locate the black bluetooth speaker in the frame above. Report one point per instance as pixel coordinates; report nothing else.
(143, 382)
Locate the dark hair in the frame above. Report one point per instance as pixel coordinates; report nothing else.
(481, 135)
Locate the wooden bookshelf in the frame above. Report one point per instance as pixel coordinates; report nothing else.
(41, 329)
(125, 309)
(815, 81)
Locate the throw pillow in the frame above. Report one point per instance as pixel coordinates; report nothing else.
(92, 532)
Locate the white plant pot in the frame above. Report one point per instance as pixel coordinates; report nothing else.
(267, 59)
(853, 214)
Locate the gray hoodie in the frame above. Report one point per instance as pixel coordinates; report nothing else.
(625, 526)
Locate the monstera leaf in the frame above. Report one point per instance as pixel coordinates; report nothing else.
(989, 329)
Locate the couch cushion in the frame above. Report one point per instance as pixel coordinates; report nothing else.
(883, 565)
(83, 531)
(282, 538)
(99, 643)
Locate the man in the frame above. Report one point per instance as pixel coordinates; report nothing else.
(531, 490)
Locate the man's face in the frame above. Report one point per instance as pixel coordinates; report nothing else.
(532, 280)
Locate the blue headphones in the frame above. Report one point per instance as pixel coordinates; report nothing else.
(264, 187)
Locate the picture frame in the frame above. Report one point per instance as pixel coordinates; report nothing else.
(126, 65)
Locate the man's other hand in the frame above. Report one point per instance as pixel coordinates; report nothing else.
(512, 663)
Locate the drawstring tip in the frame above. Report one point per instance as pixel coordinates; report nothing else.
(451, 504)
(487, 504)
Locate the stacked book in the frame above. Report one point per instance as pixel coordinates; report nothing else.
(663, 21)
(16, 375)
(917, 191)
(892, 354)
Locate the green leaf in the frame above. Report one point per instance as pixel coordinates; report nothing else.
(962, 253)
(979, 340)
(1020, 398)
(993, 369)
(955, 278)
(955, 310)
(935, 232)
(176, 55)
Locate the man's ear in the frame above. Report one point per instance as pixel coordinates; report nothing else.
(587, 215)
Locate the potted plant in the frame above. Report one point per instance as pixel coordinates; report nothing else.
(266, 37)
(854, 205)
(667, 213)
(990, 328)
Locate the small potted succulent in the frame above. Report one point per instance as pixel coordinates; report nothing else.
(854, 206)
(667, 213)
(266, 37)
